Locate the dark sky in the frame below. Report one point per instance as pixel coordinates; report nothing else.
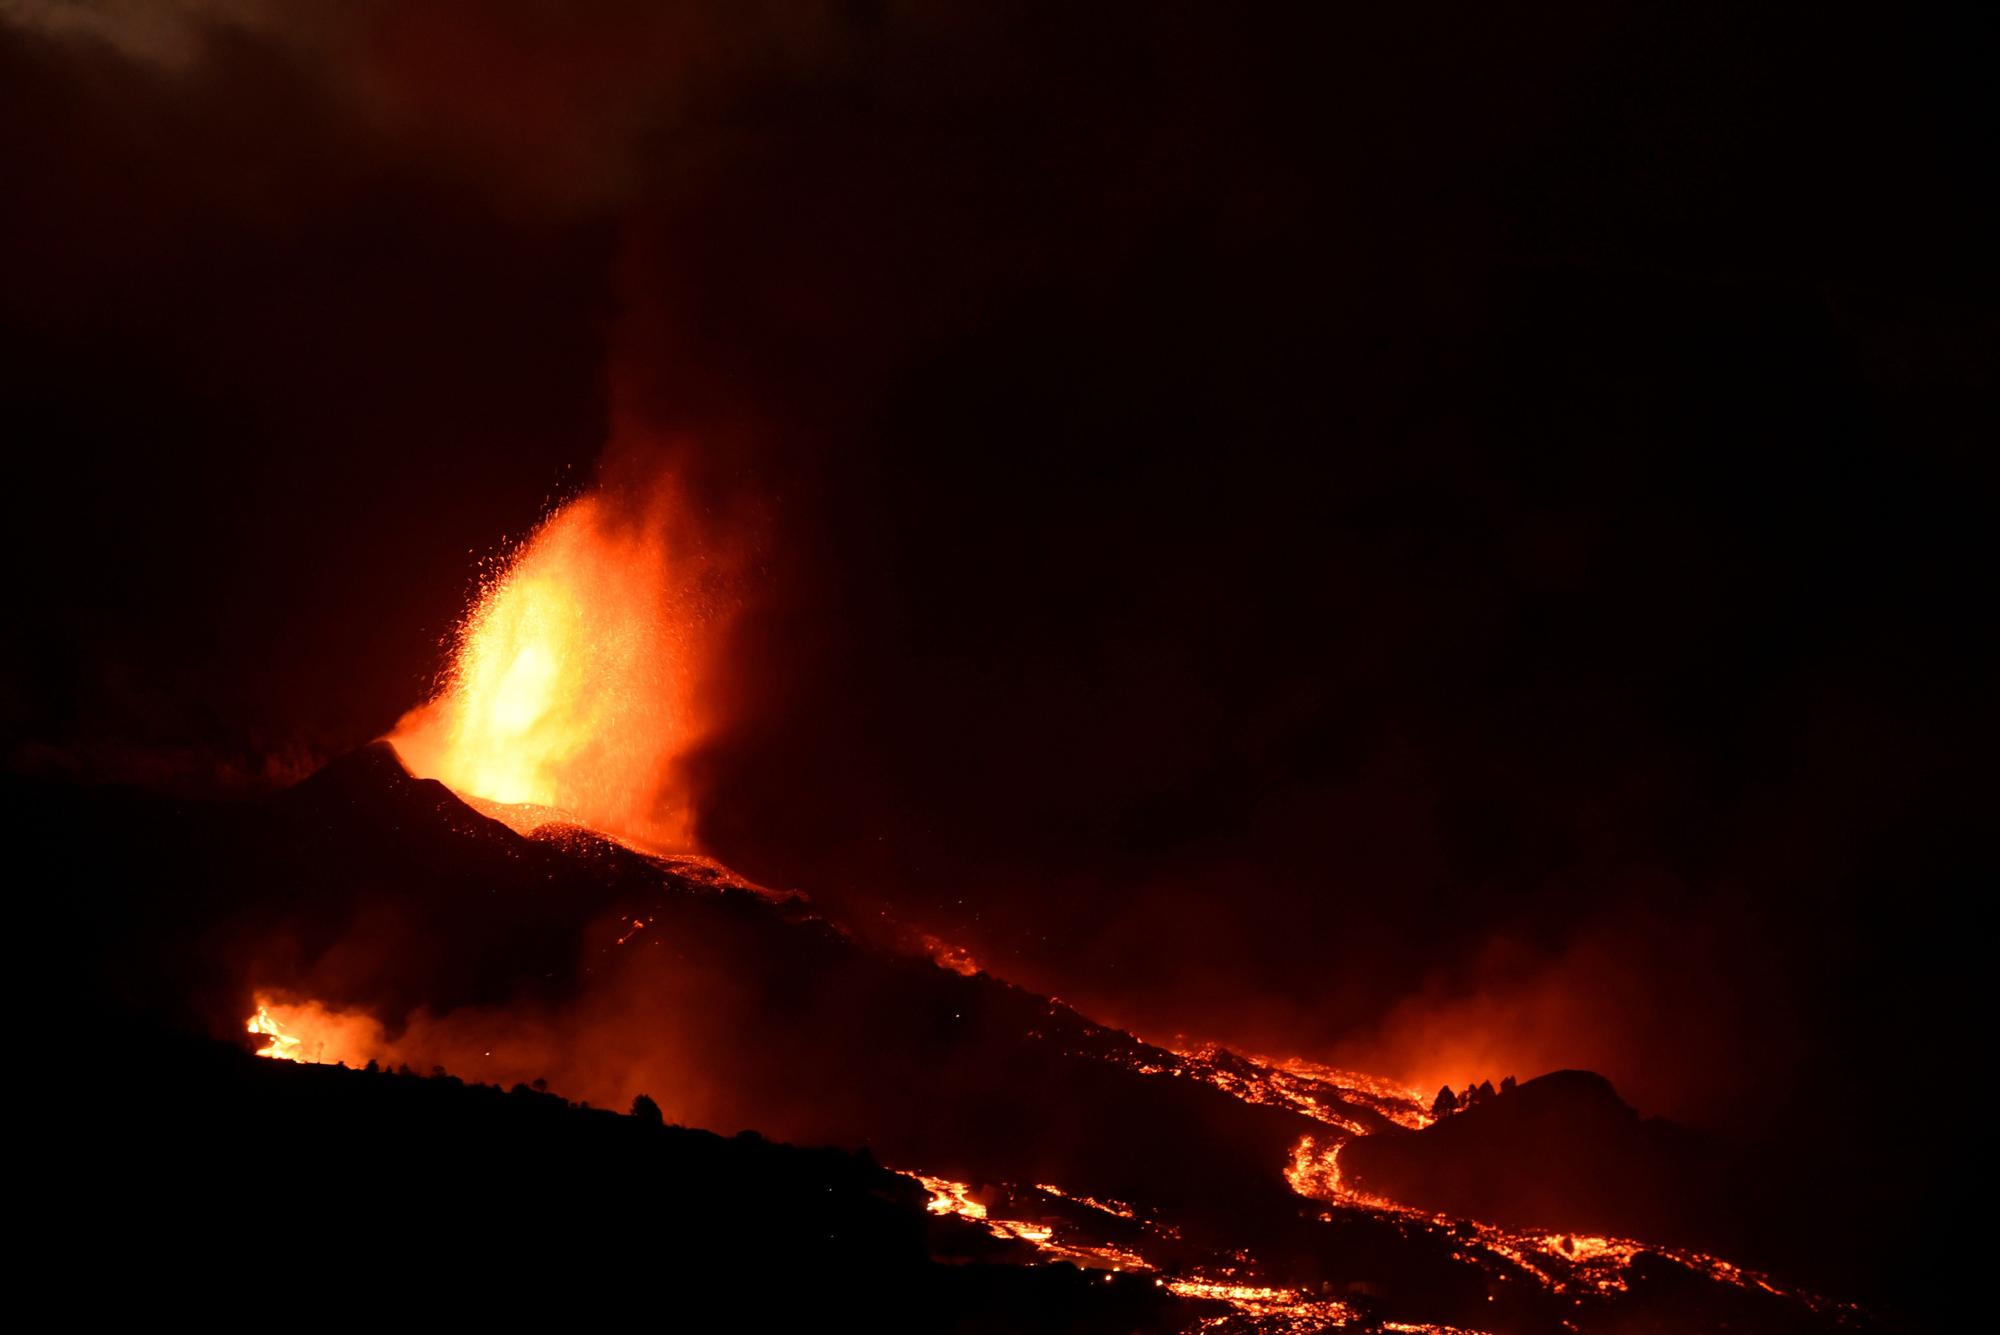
(1325, 529)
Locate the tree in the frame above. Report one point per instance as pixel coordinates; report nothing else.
(647, 1111)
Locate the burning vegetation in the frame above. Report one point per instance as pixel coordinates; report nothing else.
(309, 1032)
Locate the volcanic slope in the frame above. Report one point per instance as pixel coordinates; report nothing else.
(567, 958)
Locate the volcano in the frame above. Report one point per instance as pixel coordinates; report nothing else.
(1000, 1154)
(1032, 667)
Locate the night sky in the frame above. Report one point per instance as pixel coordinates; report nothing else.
(1319, 529)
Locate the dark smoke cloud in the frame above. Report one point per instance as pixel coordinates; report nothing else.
(1326, 530)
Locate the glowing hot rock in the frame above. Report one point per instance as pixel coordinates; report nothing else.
(568, 693)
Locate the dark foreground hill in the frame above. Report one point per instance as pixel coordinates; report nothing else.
(365, 889)
(215, 1181)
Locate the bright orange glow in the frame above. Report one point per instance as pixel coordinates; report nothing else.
(309, 1032)
(948, 1197)
(570, 691)
(955, 1198)
(947, 956)
(1269, 1308)
(284, 1044)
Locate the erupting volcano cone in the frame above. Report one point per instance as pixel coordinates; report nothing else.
(570, 687)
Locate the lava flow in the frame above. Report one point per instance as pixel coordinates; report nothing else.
(1243, 1292)
(1563, 1263)
(571, 687)
(1573, 1266)
(571, 695)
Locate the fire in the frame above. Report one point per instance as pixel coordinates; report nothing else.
(312, 1033)
(284, 1044)
(570, 691)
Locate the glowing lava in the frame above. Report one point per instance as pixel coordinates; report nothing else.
(570, 688)
(955, 1198)
(1561, 1262)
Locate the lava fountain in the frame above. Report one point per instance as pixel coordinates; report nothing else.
(571, 686)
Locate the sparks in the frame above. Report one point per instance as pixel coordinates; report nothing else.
(570, 690)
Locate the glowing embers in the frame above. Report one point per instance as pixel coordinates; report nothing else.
(309, 1032)
(570, 689)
